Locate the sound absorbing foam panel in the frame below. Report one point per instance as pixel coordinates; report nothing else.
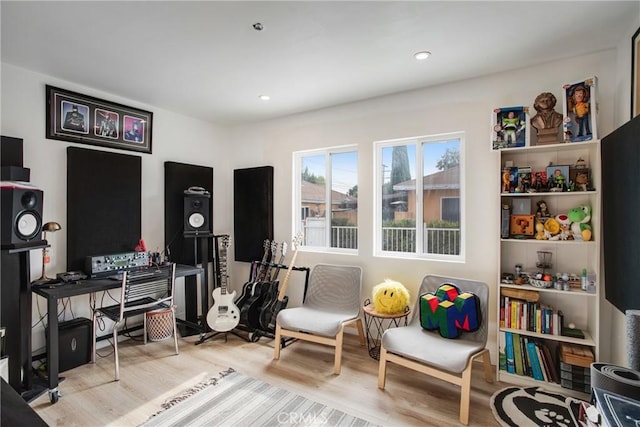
(252, 211)
(103, 204)
(177, 178)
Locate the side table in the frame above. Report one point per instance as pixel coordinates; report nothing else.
(376, 323)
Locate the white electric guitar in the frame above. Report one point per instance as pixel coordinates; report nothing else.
(224, 315)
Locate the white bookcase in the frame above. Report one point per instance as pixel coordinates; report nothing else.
(568, 256)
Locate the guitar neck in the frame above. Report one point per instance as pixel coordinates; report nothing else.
(224, 277)
(285, 282)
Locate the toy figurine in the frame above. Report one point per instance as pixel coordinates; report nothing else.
(543, 211)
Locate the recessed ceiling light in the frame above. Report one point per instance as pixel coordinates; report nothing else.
(264, 97)
(421, 56)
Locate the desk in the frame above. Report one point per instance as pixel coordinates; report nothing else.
(84, 287)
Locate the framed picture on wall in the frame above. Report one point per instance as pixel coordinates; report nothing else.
(579, 110)
(510, 127)
(635, 74)
(84, 119)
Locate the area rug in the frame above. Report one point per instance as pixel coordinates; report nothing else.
(534, 406)
(232, 399)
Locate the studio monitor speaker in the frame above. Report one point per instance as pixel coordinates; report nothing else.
(196, 211)
(21, 214)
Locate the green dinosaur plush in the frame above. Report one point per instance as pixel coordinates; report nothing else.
(580, 218)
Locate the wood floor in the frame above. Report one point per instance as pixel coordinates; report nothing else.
(153, 373)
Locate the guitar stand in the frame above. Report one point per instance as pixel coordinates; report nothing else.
(205, 337)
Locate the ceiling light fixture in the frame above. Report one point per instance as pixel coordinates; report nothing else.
(258, 26)
(421, 56)
(264, 97)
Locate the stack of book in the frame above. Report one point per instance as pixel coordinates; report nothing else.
(526, 356)
(575, 362)
(530, 316)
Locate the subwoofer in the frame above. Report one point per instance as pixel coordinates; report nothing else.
(196, 211)
(21, 214)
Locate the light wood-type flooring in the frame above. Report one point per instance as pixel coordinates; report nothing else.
(152, 374)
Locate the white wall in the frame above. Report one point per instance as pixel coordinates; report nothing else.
(463, 106)
(175, 138)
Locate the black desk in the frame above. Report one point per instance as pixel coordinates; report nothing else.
(89, 286)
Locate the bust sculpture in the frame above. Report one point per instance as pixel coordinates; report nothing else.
(547, 120)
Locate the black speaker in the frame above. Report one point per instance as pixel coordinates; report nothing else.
(196, 211)
(21, 214)
(74, 342)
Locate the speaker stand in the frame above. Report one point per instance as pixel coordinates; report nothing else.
(16, 312)
(201, 256)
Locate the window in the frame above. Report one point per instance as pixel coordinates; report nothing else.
(326, 198)
(424, 223)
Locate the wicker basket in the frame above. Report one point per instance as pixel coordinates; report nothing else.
(159, 324)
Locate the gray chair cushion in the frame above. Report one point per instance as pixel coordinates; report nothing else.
(311, 320)
(430, 348)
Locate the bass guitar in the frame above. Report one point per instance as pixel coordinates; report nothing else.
(272, 293)
(247, 289)
(224, 315)
(250, 311)
(270, 313)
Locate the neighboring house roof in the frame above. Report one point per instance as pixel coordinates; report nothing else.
(315, 193)
(448, 179)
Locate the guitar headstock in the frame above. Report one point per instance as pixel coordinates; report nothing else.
(283, 249)
(297, 240)
(274, 250)
(226, 241)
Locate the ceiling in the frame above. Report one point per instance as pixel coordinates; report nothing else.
(205, 59)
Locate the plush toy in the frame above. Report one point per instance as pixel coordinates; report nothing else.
(390, 297)
(580, 218)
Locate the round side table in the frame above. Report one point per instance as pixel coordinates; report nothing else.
(376, 323)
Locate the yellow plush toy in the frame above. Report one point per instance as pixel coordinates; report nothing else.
(390, 297)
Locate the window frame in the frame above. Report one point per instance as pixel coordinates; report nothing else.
(378, 172)
(297, 199)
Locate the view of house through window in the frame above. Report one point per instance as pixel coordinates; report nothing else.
(327, 198)
(420, 213)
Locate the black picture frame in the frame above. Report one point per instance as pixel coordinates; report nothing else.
(635, 74)
(84, 119)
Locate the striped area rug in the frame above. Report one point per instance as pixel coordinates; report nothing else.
(232, 399)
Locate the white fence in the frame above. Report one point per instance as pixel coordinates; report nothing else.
(441, 241)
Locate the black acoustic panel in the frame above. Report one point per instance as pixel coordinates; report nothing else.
(104, 198)
(11, 151)
(252, 211)
(177, 178)
(620, 199)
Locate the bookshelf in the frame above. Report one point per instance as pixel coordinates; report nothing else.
(521, 247)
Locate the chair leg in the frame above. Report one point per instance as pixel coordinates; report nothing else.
(115, 351)
(175, 329)
(486, 361)
(382, 368)
(465, 393)
(337, 364)
(144, 327)
(360, 331)
(276, 343)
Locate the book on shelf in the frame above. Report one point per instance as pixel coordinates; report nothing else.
(535, 361)
(517, 354)
(511, 367)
